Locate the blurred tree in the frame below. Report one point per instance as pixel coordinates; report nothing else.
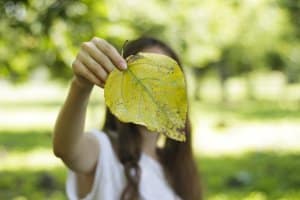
(237, 37)
(293, 9)
(43, 36)
(291, 49)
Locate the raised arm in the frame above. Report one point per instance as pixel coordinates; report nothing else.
(95, 60)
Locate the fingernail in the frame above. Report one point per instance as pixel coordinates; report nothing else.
(123, 65)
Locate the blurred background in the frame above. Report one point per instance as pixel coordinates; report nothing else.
(242, 60)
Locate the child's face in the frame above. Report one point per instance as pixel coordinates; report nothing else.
(153, 49)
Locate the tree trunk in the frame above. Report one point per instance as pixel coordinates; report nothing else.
(223, 75)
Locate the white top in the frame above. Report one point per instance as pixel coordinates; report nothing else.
(110, 180)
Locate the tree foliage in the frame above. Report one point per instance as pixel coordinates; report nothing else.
(42, 37)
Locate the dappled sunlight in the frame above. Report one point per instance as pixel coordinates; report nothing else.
(270, 86)
(224, 134)
(242, 137)
(37, 108)
(28, 118)
(241, 60)
(32, 160)
(235, 128)
(34, 91)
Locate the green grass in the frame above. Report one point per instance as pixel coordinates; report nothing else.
(255, 175)
(29, 170)
(253, 110)
(259, 175)
(33, 184)
(24, 141)
(270, 174)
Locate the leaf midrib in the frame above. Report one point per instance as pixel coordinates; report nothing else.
(149, 93)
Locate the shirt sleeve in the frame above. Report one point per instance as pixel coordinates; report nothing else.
(107, 164)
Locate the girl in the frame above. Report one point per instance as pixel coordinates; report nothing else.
(123, 161)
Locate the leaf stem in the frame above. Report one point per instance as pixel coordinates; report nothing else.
(123, 47)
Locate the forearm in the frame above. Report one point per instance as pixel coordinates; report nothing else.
(69, 127)
(92, 65)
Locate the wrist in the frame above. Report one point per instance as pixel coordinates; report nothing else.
(81, 85)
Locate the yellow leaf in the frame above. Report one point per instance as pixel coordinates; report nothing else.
(151, 92)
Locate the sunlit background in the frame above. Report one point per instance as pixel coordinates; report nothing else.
(242, 61)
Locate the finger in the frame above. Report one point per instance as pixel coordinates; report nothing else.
(111, 52)
(97, 55)
(82, 70)
(93, 66)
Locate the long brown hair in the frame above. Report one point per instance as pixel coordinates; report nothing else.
(175, 157)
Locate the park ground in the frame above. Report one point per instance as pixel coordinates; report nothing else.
(245, 150)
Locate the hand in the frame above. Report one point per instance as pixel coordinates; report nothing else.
(95, 60)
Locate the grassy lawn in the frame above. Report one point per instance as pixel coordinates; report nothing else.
(245, 150)
(255, 175)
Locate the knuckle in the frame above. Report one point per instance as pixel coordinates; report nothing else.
(86, 75)
(81, 56)
(106, 46)
(94, 64)
(74, 64)
(103, 79)
(96, 39)
(102, 74)
(110, 68)
(85, 45)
